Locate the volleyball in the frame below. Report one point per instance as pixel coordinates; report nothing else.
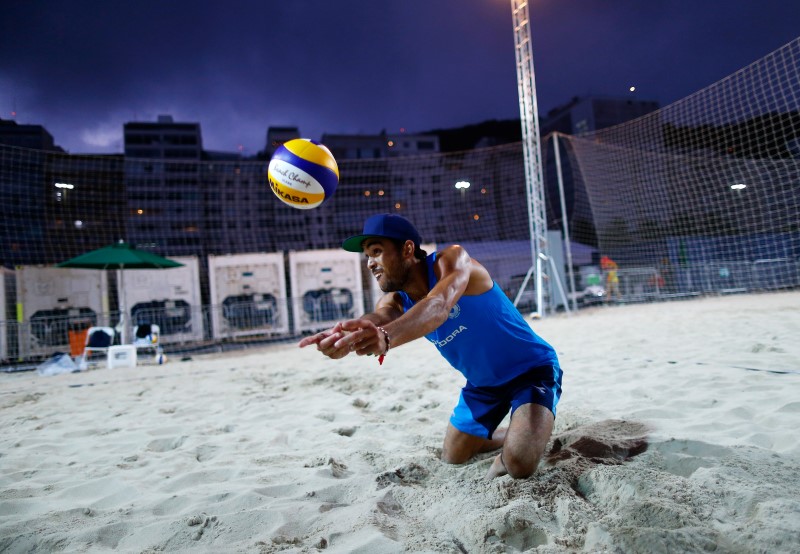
(303, 173)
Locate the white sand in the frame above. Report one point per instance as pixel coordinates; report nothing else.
(278, 449)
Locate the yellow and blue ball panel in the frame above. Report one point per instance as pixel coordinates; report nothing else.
(303, 173)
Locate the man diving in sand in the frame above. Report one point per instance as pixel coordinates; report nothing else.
(451, 299)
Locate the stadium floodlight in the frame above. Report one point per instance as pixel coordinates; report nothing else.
(531, 147)
(463, 185)
(738, 186)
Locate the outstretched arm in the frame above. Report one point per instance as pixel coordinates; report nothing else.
(365, 343)
(457, 274)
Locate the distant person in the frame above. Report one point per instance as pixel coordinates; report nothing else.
(610, 268)
(451, 299)
(665, 271)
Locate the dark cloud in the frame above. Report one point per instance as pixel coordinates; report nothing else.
(83, 68)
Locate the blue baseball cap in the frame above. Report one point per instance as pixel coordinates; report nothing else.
(389, 226)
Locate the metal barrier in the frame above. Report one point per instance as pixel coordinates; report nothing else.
(637, 284)
(776, 273)
(725, 277)
(22, 341)
(641, 284)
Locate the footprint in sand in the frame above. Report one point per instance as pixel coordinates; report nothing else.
(328, 506)
(684, 457)
(165, 445)
(337, 469)
(203, 521)
(518, 534)
(205, 452)
(790, 408)
(389, 505)
(412, 474)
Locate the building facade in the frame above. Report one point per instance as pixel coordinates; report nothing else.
(166, 191)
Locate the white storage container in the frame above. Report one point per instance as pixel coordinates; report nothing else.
(54, 301)
(248, 295)
(121, 355)
(169, 298)
(326, 288)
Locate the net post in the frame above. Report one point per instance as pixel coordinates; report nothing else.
(564, 221)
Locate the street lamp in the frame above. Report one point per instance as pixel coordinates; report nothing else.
(462, 186)
(61, 193)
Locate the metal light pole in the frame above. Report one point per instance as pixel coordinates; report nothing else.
(534, 183)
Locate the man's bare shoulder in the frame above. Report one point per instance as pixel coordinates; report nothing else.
(452, 254)
(455, 258)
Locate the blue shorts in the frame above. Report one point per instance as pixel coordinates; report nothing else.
(481, 409)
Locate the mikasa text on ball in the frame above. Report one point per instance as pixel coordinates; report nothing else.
(303, 173)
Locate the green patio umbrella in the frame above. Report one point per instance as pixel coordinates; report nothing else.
(121, 256)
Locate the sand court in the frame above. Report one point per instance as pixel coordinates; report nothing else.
(677, 431)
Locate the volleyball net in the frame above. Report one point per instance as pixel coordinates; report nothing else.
(700, 197)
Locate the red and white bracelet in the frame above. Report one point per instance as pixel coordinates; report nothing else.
(385, 336)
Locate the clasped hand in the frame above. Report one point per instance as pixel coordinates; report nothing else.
(355, 335)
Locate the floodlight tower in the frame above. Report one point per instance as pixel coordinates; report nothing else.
(534, 183)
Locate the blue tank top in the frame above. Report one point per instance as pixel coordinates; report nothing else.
(486, 338)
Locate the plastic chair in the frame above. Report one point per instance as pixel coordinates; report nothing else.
(146, 337)
(98, 339)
